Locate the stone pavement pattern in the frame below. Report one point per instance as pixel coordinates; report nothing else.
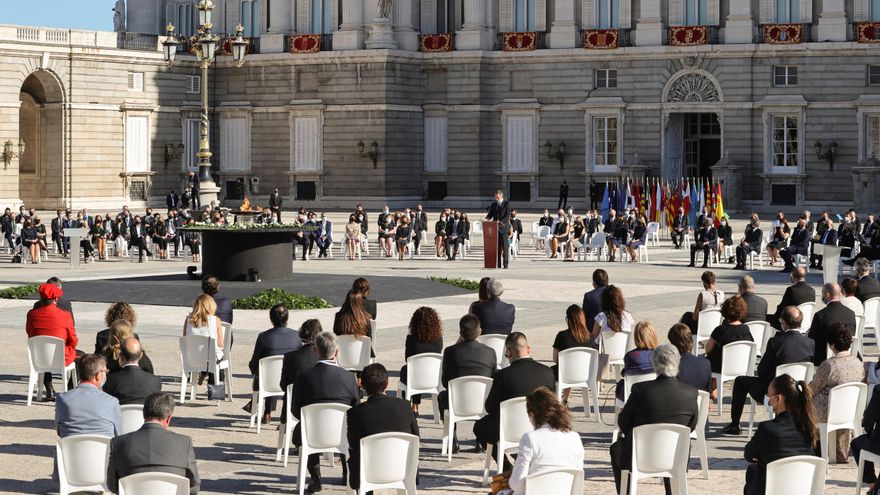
(234, 459)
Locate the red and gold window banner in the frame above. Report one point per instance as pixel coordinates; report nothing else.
(688, 35)
(305, 43)
(601, 39)
(868, 32)
(783, 34)
(441, 42)
(519, 42)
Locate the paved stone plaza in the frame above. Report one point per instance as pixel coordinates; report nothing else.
(234, 459)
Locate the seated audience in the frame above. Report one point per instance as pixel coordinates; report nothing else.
(86, 409)
(52, 321)
(706, 241)
(277, 341)
(731, 330)
(575, 335)
(833, 312)
(153, 448)
(869, 441)
(302, 359)
(849, 286)
(211, 287)
(425, 336)
(613, 316)
(117, 311)
(756, 306)
(867, 286)
(496, 316)
(203, 321)
(119, 331)
(637, 238)
(379, 414)
(799, 244)
(482, 294)
(131, 384)
(797, 293)
(552, 444)
(792, 432)
(353, 319)
(638, 360)
(709, 298)
(751, 242)
(696, 371)
(592, 304)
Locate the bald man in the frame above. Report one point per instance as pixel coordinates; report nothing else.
(797, 293)
(131, 384)
(834, 312)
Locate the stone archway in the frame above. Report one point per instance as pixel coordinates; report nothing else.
(690, 96)
(41, 127)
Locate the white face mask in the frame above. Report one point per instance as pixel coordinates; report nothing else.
(500, 201)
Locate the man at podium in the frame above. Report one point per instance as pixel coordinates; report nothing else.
(499, 211)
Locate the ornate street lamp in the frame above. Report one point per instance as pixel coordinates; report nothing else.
(169, 46)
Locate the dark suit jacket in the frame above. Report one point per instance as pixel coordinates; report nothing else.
(695, 371)
(132, 385)
(871, 421)
(370, 306)
(519, 379)
(276, 341)
(496, 316)
(501, 214)
(275, 200)
(795, 295)
(800, 241)
(296, 362)
(680, 222)
(784, 348)
(224, 308)
(152, 449)
(325, 383)
(592, 305)
(456, 228)
(775, 439)
(831, 239)
(467, 359)
(757, 307)
(834, 312)
(867, 288)
(102, 338)
(379, 414)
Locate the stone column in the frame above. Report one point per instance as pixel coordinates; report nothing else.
(865, 185)
(351, 34)
(272, 41)
(729, 174)
(474, 35)
(9, 184)
(740, 24)
(649, 27)
(832, 21)
(563, 32)
(404, 34)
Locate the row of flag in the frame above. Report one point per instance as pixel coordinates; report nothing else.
(659, 199)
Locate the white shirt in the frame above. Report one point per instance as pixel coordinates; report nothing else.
(853, 303)
(546, 448)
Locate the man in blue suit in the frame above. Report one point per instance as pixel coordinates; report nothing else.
(592, 304)
(324, 236)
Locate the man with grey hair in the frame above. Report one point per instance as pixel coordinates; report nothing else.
(833, 312)
(757, 305)
(496, 316)
(867, 287)
(664, 400)
(153, 448)
(325, 383)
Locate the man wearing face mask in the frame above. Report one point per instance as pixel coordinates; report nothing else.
(499, 211)
(751, 243)
(324, 235)
(546, 219)
(799, 243)
(454, 236)
(679, 228)
(847, 233)
(826, 235)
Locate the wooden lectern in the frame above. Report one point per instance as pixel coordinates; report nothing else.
(490, 244)
(830, 261)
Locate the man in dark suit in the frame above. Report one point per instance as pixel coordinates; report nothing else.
(825, 235)
(499, 211)
(679, 228)
(277, 341)
(870, 440)
(563, 195)
(275, 202)
(153, 448)
(325, 383)
(788, 346)
(195, 185)
(131, 384)
(848, 232)
(455, 230)
(595, 195)
(664, 400)
(796, 294)
(799, 244)
(379, 414)
(757, 305)
(300, 360)
(515, 225)
(211, 287)
(521, 378)
(57, 226)
(706, 241)
(867, 286)
(496, 316)
(171, 200)
(139, 234)
(324, 235)
(592, 304)
(833, 312)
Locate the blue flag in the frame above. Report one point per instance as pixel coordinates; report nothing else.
(603, 208)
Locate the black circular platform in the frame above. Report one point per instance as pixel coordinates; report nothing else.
(235, 254)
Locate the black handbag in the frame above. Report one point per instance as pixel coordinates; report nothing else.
(215, 391)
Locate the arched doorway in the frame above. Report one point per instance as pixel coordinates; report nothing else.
(692, 134)
(41, 127)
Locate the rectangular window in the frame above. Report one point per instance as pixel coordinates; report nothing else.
(137, 143)
(322, 21)
(874, 75)
(696, 12)
(524, 15)
(191, 144)
(436, 144)
(608, 15)
(606, 78)
(788, 11)
(875, 10)
(193, 84)
(873, 146)
(605, 141)
(306, 144)
(785, 75)
(184, 20)
(136, 81)
(250, 17)
(521, 144)
(234, 144)
(785, 141)
(446, 16)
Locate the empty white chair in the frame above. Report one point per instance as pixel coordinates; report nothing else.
(389, 460)
(132, 418)
(737, 359)
(872, 317)
(423, 377)
(513, 421)
(761, 332)
(579, 368)
(354, 352)
(82, 463)
(543, 235)
(557, 481)
(536, 241)
(800, 474)
(653, 234)
(227, 351)
(658, 451)
(614, 344)
(46, 355)
(197, 355)
(285, 434)
(496, 342)
(808, 309)
(707, 321)
(467, 402)
(846, 403)
(323, 429)
(269, 372)
(596, 246)
(699, 433)
(802, 371)
(153, 484)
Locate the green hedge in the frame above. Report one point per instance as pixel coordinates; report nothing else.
(270, 297)
(19, 292)
(461, 283)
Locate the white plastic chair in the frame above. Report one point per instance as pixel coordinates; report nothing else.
(800, 474)
(389, 460)
(375, 337)
(653, 233)
(808, 309)
(513, 421)
(658, 451)
(846, 403)
(596, 246)
(82, 463)
(628, 382)
(579, 368)
(285, 434)
(496, 342)
(699, 433)
(872, 317)
(197, 355)
(802, 371)
(615, 345)
(467, 402)
(132, 418)
(354, 352)
(544, 235)
(762, 252)
(324, 429)
(557, 481)
(804, 258)
(227, 351)
(46, 355)
(761, 332)
(864, 456)
(357, 249)
(737, 359)
(153, 484)
(536, 241)
(269, 372)
(707, 321)
(423, 377)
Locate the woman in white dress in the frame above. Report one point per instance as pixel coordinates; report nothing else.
(709, 298)
(551, 445)
(202, 321)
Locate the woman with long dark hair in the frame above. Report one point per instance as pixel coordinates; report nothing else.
(614, 316)
(575, 335)
(425, 336)
(353, 319)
